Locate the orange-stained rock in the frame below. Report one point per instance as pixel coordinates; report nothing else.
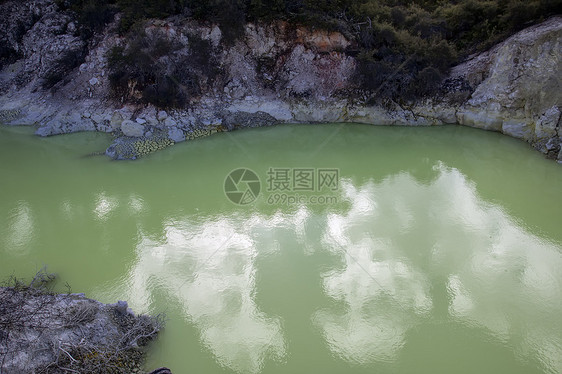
(322, 41)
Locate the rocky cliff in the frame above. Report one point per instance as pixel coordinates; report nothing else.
(517, 87)
(274, 73)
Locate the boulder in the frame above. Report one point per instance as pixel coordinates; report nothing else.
(162, 115)
(234, 120)
(116, 120)
(170, 122)
(132, 129)
(176, 134)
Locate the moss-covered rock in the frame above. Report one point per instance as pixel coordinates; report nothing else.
(128, 148)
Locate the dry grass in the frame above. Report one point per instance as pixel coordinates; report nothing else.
(43, 332)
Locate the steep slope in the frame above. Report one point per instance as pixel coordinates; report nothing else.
(275, 73)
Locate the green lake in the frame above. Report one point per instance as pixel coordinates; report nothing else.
(368, 249)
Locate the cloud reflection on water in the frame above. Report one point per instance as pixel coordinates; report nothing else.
(499, 276)
(21, 228)
(383, 294)
(398, 240)
(209, 269)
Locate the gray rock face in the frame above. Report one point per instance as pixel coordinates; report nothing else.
(548, 125)
(65, 123)
(16, 19)
(132, 129)
(233, 120)
(519, 93)
(49, 51)
(274, 62)
(275, 75)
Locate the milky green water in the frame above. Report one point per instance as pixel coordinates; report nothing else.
(438, 251)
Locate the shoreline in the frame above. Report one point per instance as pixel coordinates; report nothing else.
(270, 77)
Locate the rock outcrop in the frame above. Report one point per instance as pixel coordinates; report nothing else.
(16, 19)
(49, 333)
(275, 73)
(519, 93)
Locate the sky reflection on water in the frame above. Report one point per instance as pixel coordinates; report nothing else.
(396, 244)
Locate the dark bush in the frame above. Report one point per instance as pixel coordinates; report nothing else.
(426, 82)
(266, 9)
(95, 15)
(165, 92)
(202, 58)
(230, 15)
(134, 11)
(398, 16)
(152, 69)
(7, 54)
(92, 15)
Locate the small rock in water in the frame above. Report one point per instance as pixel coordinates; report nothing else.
(161, 371)
(141, 121)
(94, 81)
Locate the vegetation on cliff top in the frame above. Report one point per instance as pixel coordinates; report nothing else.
(404, 47)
